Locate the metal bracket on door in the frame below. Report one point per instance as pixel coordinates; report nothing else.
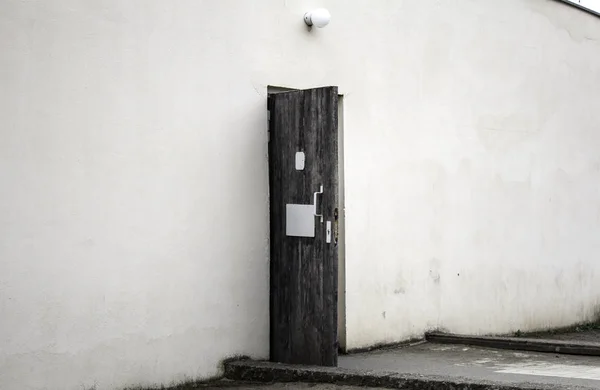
(300, 218)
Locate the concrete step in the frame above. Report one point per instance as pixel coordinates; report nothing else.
(574, 347)
(431, 366)
(267, 372)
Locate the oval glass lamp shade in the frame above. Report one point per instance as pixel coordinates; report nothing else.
(319, 17)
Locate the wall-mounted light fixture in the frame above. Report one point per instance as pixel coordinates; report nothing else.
(319, 17)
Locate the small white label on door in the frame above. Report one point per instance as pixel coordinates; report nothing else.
(328, 232)
(300, 159)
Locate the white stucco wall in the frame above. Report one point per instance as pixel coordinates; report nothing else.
(133, 171)
(473, 177)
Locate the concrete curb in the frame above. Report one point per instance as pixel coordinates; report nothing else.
(255, 371)
(519, 344)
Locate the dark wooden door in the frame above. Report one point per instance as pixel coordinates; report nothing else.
(303, 181)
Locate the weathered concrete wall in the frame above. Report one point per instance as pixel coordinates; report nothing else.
(133, 210)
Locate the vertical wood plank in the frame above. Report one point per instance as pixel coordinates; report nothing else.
(303, 289)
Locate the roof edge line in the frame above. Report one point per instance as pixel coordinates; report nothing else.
(576, 5)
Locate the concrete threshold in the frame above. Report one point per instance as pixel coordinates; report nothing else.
(266, 372)
(519, 344)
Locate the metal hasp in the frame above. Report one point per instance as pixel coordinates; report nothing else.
(300, 218)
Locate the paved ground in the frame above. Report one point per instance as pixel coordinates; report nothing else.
(481, 364)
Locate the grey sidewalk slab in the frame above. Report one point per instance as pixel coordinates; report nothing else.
(564, 345)
(483, 364)
(437, 367)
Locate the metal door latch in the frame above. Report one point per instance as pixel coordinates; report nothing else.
(315, 203)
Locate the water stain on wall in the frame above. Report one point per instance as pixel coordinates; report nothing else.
(434, 270)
